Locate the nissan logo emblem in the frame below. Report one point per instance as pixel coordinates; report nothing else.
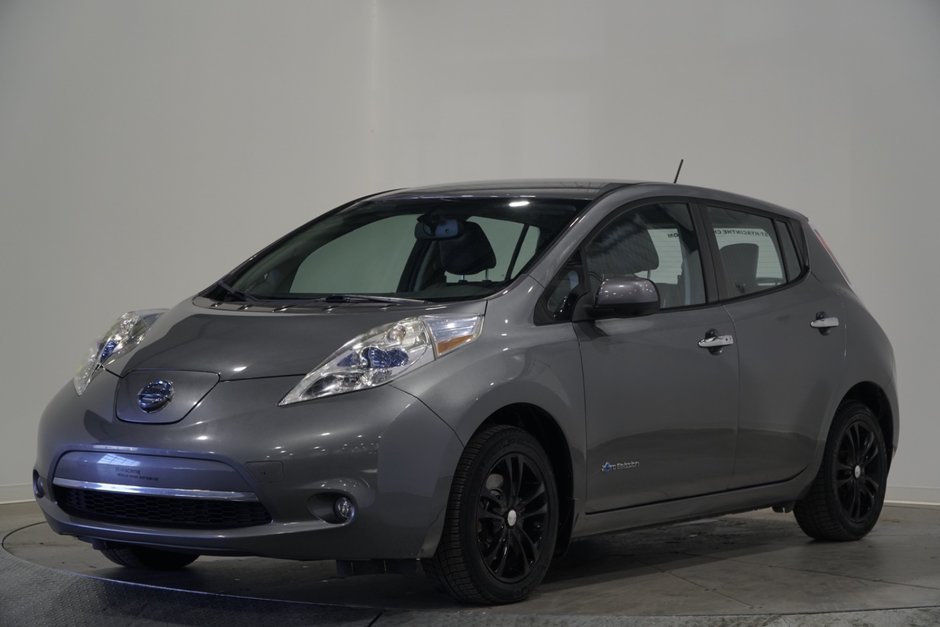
(155, 396)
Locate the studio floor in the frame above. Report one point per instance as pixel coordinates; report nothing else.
(747, 569)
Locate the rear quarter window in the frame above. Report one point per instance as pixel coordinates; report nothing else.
(791, 260)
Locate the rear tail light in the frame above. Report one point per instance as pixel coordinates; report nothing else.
(829, 252)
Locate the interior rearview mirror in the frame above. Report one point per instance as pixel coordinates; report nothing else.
(431, 227)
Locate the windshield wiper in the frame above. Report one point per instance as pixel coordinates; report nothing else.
(349, 298)
(369, 298)
(237, 293)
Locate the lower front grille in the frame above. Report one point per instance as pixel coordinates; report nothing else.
(160, 511)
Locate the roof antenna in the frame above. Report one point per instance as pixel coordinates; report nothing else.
(677, 171)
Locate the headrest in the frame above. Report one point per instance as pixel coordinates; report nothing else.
(623, 249)
(740, 262)
(469, 253)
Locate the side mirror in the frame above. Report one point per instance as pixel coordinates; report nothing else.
(621, 297)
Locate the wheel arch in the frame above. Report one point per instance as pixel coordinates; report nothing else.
(543, 427)
(875, 398)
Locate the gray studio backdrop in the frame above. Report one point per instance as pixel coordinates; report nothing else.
(146, 148)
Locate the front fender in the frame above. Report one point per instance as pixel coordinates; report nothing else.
(539, 366)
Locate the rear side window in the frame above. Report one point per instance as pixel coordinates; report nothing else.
(748, 251)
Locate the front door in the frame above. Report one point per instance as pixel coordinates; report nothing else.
(660, 390)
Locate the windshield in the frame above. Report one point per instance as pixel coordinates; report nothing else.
(439, 249)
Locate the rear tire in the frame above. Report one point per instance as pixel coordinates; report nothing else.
(146, 558)
(501, 521)
(846, 497)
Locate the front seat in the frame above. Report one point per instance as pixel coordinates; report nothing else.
(468, 253)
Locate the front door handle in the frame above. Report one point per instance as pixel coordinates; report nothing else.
(714, 342)
(824, 322)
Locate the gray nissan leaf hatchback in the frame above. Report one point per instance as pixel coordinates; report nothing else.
(471, 376)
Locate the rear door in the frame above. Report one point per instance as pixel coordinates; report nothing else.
(789, 337)
(661, 410)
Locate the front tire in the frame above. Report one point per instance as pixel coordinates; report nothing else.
(846, 497)
(146, 558)
(501, 521)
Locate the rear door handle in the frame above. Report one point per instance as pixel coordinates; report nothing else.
(825, 323)
(714, 341)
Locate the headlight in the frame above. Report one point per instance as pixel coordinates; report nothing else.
(124, 335)
(385, 353)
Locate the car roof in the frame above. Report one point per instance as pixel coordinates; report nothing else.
(579, 189)
(584, 189)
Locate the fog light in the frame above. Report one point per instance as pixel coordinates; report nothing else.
(39, 488)
(344, 508)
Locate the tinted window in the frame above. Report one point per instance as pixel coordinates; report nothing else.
(381, 248)
(790, 259)
(656, 242)
(564, 290)
(513, 244)
(329, 270)
(748, 250)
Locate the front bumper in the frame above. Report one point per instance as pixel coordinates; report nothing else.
(382, 448)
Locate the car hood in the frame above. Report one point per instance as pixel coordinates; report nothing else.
(259, 342)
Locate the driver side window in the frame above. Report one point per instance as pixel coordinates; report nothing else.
(656, 242)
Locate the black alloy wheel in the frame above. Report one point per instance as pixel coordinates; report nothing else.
(859, 471)
(511, 516)
(501, 522)
(845, 500)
